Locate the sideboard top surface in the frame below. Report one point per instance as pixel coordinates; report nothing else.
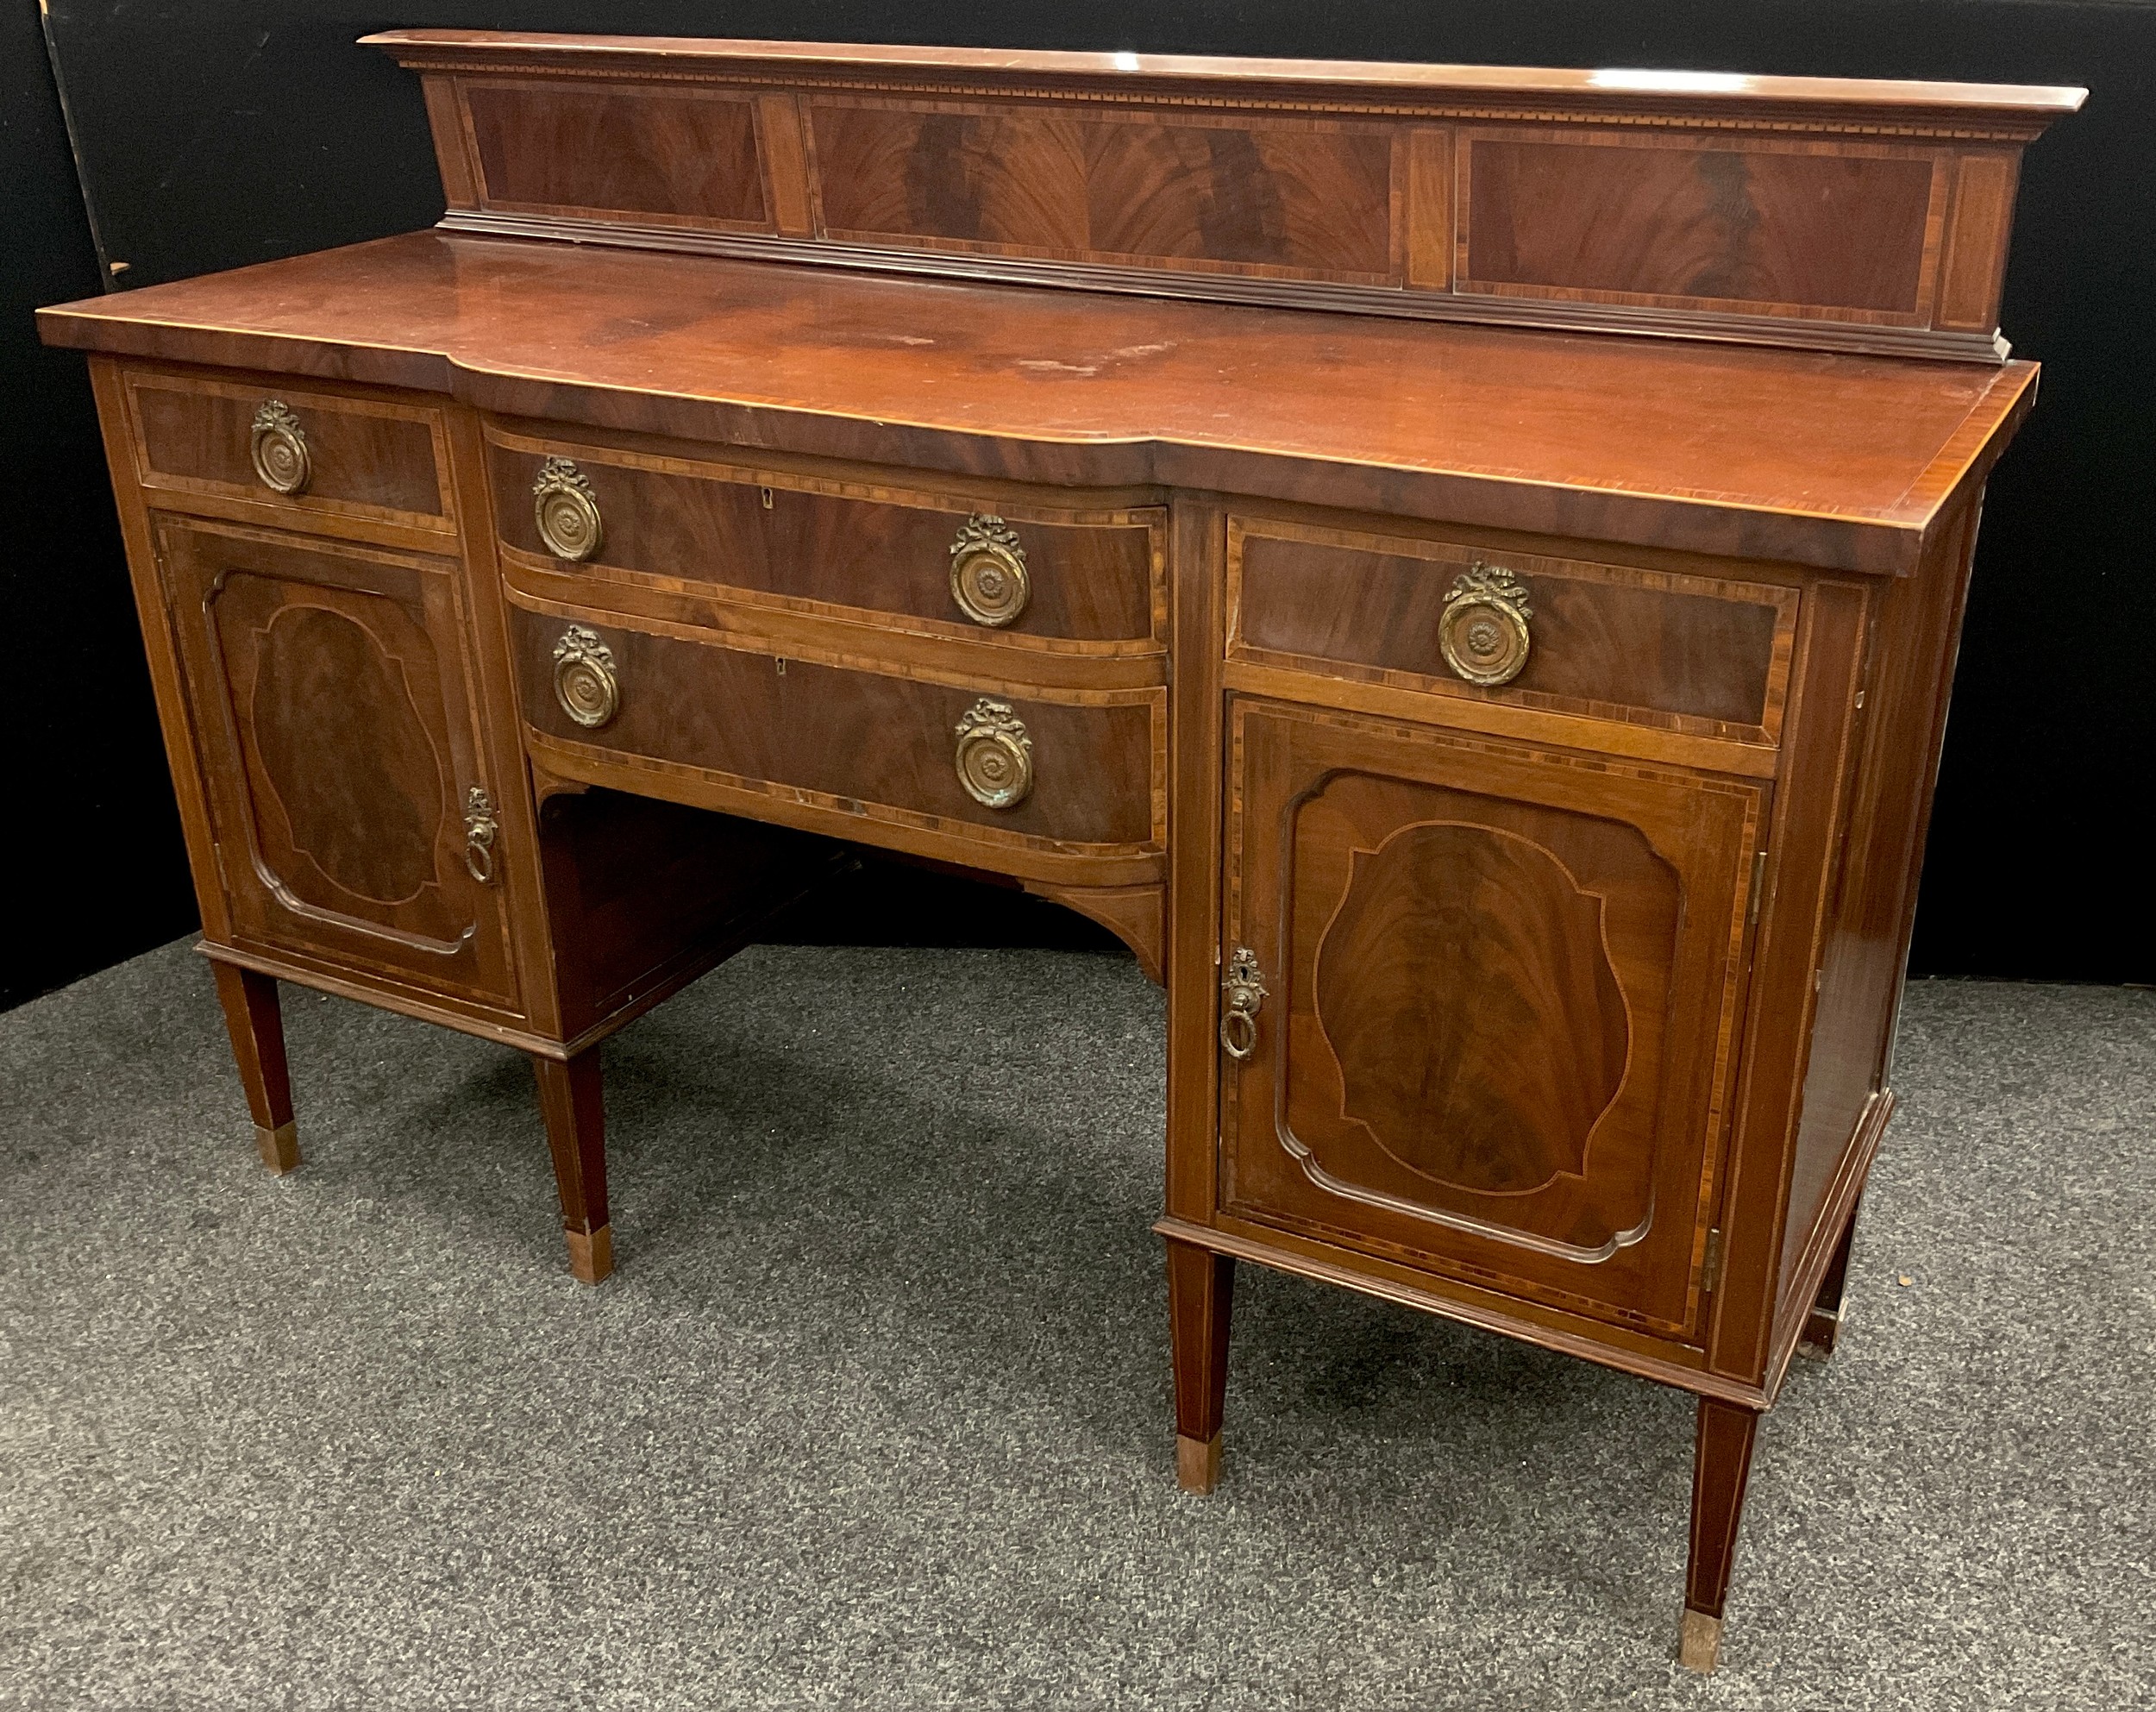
(1822, 458)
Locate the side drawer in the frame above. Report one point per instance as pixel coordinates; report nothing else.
(1707, 656)
(301, 452)
(1065, 783)
(1044, 573)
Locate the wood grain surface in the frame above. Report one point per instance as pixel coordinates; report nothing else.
(1503, 982)
(1792, 212)
(869, 549)
(1692, 91)
(1834, 460)
(1578, 989)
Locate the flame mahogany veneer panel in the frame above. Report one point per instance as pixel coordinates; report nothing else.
(1203, 191)
(1789, 227)
(689, 156)
(1503, 979)
(331, 686)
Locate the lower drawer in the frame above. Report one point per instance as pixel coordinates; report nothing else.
(1061, 784)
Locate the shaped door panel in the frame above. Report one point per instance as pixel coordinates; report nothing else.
(1504, 983)
(327, 683)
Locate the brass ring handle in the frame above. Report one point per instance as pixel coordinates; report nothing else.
(480, 830)
(1243, 991)
(584, 679)
(988, 578)
(995, 754)
(1483, 629)
(565, 509)
(277, 447)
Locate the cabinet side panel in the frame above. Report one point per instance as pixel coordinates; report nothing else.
(1809, 815)
(1909, 674)
(181, 753)
(459, 185)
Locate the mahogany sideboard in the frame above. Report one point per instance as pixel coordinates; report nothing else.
(1459, 567)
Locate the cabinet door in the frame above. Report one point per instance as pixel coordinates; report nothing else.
(1504, 984)
(327, 683)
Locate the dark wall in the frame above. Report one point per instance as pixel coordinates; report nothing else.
(213, 133)
(89, 837)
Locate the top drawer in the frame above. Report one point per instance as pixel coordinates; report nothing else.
(1705, 656)
(312, 452)
(1042, 573)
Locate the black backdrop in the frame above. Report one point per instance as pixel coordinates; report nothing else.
(213, 133)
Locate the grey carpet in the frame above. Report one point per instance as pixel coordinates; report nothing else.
(874, 1414)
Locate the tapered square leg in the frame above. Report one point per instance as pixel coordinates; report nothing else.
(1722, 1467)
(1200, 1285)
(1822, 1326)
(257, 1028)
(570, 1094)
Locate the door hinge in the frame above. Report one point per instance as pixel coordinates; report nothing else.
(1758, 886)
(1710, 1266)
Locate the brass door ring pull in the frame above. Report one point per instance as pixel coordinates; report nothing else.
(565, 511)
(994, 756)
(1482, 631)
(988, 578)
(479, 831)
(1243, 989)
(584, 679)
(277, 447)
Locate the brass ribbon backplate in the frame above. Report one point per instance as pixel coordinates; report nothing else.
(584, 679)
(278, 448)
(1483, 629)
(995, 754)
(566, 510)
(988, 578)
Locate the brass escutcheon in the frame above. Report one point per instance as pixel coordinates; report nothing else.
(480, 830)
(1243, 991)
(995, 754)
(566, 510)
(1483, 629)
(278, 447)
(584, 679)
(988, 578)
